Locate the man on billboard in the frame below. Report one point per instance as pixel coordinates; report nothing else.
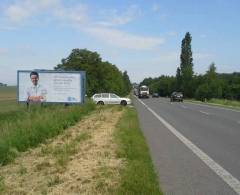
(35, 93)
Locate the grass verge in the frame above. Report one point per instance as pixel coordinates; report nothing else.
(220, 102)
(138, 176)
(34, 126)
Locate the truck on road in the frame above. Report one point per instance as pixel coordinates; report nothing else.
(143, 91)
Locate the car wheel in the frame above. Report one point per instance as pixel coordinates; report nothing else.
(100, 103)
(123, 103)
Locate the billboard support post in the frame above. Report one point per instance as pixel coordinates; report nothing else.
(27, 105)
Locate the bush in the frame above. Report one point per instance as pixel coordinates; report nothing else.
(202, 92)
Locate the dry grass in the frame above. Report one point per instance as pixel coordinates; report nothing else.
(81, 161)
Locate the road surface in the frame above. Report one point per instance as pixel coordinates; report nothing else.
(195, 148)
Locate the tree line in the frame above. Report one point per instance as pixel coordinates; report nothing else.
(199, 86)
(101, 76)
(3, 85)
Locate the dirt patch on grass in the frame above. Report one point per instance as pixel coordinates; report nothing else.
(80, 161)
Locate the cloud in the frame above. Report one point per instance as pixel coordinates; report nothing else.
(164, 58)
(114, 17)
(22, 10)
(7, 28)
(78, 16)
(172, 33)
(201, 56)
(123, 39)
(3, 51)
(17, 14)
(203, 36)
(156, 7)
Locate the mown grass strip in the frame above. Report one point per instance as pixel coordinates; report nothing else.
(225, 102)
(138, 176)
(2, 184)
(233, 104)
(36, 125)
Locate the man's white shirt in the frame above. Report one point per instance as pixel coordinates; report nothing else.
(36, 90)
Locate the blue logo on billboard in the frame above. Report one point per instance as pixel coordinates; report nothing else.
(71, 99)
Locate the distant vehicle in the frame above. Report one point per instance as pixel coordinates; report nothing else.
(135, 91)
(143, 91)
(176, 96)
(110, 98)
(155, 95)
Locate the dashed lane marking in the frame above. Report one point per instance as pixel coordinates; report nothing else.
(204, 112)
(214, 166)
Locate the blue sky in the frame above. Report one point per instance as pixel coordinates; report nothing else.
(142, 37)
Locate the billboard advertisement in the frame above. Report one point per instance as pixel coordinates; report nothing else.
(51, 86)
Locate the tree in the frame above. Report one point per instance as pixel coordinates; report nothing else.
(186, 66)
(101, 76)
(215, 88)
(178, 79)
(202, 93)
(211, 73)
(127, 81)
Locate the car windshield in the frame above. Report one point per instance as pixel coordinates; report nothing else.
(144, 88)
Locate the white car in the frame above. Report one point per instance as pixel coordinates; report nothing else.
(110, 98)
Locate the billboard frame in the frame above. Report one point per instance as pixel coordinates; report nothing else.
(82, 83)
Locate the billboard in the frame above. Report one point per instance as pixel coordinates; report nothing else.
(51, 86)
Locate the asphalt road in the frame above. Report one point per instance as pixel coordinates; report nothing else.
(195, 148)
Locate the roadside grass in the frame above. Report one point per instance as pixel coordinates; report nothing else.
(23, 129)
(8, 100)
(2, 184)
(10, 105)
(220, 102)
(138, 176)
(225, 102)
(7, 93)
(63, 152)
(104, 154)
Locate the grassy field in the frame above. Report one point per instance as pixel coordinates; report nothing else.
(7, 93)
(21, 128)
(10, 105)
(8, 100)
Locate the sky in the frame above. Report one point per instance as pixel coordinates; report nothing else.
(142, 37)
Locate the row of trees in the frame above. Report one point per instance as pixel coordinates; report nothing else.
(2, 84)
(101, 76)
(203, 86)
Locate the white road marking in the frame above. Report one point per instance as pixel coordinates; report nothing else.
(219, 170)
(204, 112)
(183, 106)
